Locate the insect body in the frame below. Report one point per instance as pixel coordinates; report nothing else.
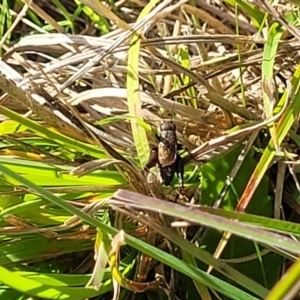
(165, 156)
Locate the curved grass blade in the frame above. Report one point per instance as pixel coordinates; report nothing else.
(288, 287)
(117, 242)
(102, 245)
(101, 21)
(268, 86)
(63, 140)
(196, 216)
(273, 224)
(52, 175)
(38, 289)
(22, 250)
(102, 10)
(255, 14)
(134, 103)
(55, 279)
(268, 61)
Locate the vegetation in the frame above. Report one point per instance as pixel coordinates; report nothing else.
(85, 86)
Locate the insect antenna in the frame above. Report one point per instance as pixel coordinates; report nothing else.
(172, 111)
(160, 113)
(162, 108)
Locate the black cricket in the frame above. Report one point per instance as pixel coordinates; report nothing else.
(165, 156)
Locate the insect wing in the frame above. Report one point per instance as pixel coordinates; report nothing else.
(167, 147)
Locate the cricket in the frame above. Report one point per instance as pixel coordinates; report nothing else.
(165, 157)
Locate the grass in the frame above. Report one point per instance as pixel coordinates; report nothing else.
(84, 87)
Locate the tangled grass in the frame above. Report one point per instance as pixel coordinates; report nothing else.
(84, 86)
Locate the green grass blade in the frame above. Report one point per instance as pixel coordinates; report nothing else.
(21, 250)
(268, 86)
(134, 103)
(196, 216)
(37, 289)
(140, 122)
(160, 255)
(270, 50)
(283, 127)
(287, 288)
(52, 175)
(255, 14)
(201, 288)
(61, 139)
(273, 224)
(101, 21)
(5, 21)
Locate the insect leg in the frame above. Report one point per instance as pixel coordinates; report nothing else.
(153, 158)
(180, 171)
